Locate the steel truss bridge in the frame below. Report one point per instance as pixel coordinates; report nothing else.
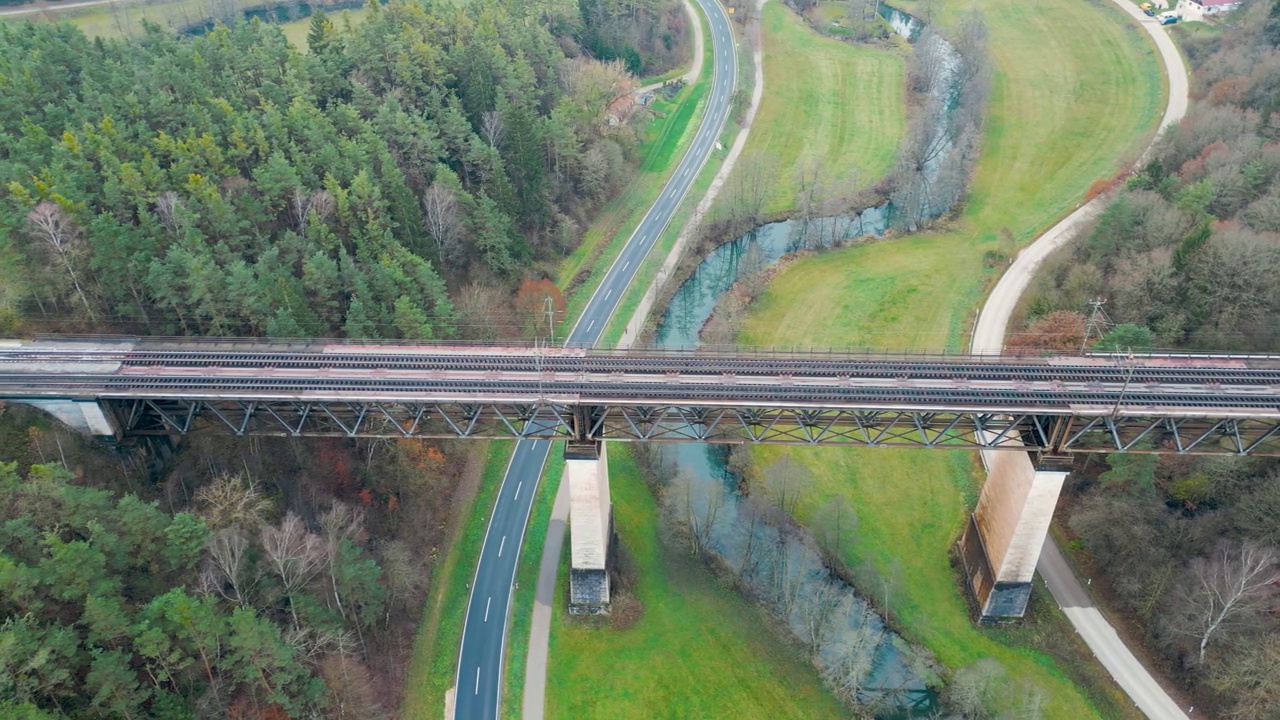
(1054, 406)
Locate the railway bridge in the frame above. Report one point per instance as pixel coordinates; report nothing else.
(1051, 407)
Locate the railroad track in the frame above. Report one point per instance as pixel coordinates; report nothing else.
(960, 370)
(860, 392)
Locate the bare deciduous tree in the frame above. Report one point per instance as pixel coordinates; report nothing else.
(592, 86)
(748, 528)
(748, 190)
(232, 501)
(401, 573)
(443, 218)
(168, 207)
(492, 127)
(294, 554)
(701, 513)
(818, 606)
(751, 271)
(784, 578)
(481, 309)
(1235, 582)
(1251, 678)
(855, 658)
(228, 565)
(972, 687)
(785, 482)
(303, 205)
(835, 522)
(342, 523)
(50, 224)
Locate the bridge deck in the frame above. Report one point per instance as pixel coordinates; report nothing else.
(1151, 403)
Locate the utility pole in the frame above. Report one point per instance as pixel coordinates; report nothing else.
(1098, 324)
(551, 317)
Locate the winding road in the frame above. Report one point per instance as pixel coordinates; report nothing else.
(478, 683)
(988, 337)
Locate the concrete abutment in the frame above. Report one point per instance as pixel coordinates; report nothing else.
(1003, 538)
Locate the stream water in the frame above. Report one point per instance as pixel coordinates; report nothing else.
(781, 564)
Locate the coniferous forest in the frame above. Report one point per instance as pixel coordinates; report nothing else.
(233, 185)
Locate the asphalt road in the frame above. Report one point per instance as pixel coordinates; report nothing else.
(988, 337)
(478, 684)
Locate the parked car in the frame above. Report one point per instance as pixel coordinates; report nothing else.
(1167, 19)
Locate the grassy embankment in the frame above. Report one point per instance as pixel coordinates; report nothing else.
(1072, 100)
(825, 102)
(699, 650)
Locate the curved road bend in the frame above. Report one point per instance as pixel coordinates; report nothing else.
(988, 337)
(478, 683)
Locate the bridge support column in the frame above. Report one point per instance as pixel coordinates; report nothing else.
(590, 527)
(1002, 541)
(85, 416)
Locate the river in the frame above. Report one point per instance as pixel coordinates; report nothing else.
(778, 562)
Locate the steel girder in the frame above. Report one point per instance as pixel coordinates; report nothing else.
(1050, 434)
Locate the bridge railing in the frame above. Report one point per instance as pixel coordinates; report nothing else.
(738, 351)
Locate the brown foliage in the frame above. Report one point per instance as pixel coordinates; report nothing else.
(1059, 331)
(351, 693)
(1193, 169)
(531, 306)
(1229, 91)
(1105, 185)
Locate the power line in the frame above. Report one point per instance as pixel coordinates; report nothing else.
(1098, 324)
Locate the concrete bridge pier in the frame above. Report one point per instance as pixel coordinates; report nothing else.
(590, 527)
(1002, 541)
(84, 416)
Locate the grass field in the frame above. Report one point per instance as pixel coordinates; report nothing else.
(698, 651)
(124, 19)
(838, 105)
(1071, 101)
(296, 31)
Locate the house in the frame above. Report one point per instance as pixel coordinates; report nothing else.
(620, 110)
(1198, 10)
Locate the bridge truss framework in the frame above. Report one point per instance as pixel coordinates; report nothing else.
(1047, 433)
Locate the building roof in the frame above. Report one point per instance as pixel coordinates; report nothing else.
(1218, 3)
